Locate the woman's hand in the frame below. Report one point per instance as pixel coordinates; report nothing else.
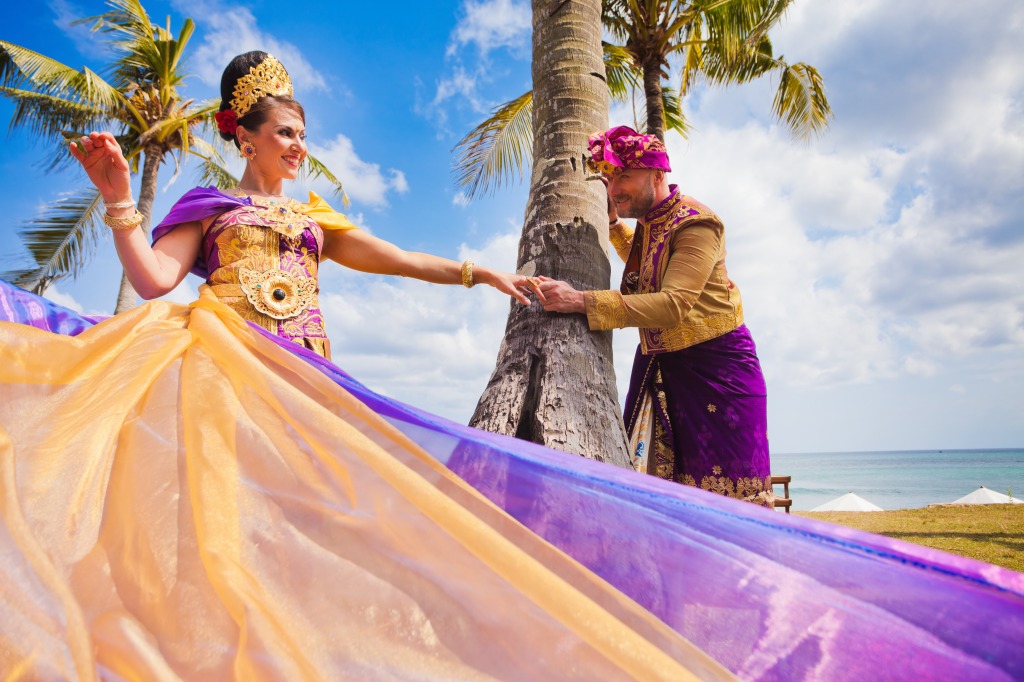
(101, 157)
(516, 286)
(559, 297)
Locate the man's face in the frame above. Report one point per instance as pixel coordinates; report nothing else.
(632, 192)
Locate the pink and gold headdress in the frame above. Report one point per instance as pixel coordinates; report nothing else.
(267, 78)
(615, 150)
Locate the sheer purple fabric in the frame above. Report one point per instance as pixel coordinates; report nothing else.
(771, 596)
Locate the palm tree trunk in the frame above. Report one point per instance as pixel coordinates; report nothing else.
(652, 94)
(153, 155)
(554, 382)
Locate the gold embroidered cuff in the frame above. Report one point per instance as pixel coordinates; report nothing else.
(467, 274)
(605, 309)
(621, 236)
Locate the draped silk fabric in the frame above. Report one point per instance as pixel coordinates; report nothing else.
(184, 495)
(183, 499)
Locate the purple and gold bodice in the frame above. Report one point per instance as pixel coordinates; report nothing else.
(262, 262)
(261, 257)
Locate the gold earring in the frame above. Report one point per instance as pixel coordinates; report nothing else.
(248, 150)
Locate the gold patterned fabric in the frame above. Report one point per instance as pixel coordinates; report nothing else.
(678, 292)
(605, 309)
(621, 237)
(264, 260)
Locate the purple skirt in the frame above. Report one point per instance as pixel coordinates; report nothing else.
(711, 416)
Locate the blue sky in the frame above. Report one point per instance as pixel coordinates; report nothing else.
(880, 265)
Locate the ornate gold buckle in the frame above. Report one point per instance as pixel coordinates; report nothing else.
(277, 293)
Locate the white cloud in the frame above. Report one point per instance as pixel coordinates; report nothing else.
(231, 30)
(492, 24)
(81, 35)
(428, 345)
(53, 293)
(488, 25)
(364, 181)
(460, 199)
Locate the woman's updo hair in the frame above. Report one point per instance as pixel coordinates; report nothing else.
(259, 111)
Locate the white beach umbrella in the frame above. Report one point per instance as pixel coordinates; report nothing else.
(848, 502)
(985, 496)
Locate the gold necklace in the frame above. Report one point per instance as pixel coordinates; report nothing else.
(272, 199)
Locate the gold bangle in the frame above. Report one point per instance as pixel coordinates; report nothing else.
(127, 203)
(467, 274)
(129, 223)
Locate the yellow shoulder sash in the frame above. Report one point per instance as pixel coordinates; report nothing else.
(325, 216)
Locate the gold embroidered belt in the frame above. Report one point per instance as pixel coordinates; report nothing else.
(275, 293)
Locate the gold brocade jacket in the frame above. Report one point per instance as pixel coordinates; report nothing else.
(675, 287)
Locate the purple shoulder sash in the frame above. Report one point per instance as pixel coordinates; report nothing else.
(196, 205)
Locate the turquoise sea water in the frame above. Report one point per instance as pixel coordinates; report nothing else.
(899, 480)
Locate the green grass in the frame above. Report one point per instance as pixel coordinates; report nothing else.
(993, 533)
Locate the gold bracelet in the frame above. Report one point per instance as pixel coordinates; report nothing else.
(128, 203)
(467, 274)
(129, 223)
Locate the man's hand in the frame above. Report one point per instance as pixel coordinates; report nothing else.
(613, 214)
(559, 297)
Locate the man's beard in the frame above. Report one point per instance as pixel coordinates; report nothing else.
(642, 203)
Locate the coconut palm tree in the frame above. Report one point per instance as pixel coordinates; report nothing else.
(721, 42)
(554, 382)
(139, 100)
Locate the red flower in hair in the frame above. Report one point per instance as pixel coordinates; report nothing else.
(227, 121)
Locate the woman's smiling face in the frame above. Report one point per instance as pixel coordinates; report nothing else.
(280, 144)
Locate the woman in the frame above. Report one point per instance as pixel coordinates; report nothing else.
(268, 276)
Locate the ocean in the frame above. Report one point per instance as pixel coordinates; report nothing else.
(899, 480)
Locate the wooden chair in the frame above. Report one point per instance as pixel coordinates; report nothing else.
(784, 501)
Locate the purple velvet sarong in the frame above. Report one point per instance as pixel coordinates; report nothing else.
(771, 596)
(714, 415)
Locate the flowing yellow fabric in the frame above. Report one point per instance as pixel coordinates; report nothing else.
(182, 499)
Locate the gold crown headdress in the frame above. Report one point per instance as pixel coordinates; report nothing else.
(268, 78)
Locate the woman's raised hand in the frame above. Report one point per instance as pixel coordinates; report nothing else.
(516, 286)
(101, 157)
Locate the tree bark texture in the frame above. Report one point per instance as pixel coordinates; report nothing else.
(554, 381)
(652, 95)
(127, 298)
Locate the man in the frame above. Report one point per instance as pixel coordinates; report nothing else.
(696, 410)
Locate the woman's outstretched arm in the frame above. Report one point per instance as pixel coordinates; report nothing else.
(361, 251)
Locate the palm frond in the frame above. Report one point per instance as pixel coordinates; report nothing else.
(214, 172)
(620, 71)
(314, 168)
(50, 116)
(22, 67)
(718, 67)
(497, 149)
(60, 241)
(672, 104)
(800, 101)
(737, 28)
